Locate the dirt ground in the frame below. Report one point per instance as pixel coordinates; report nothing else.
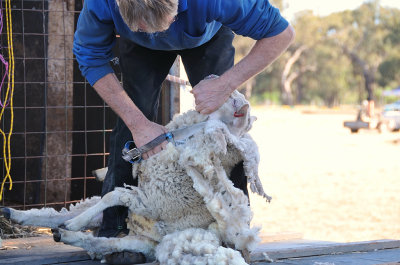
(326, 183)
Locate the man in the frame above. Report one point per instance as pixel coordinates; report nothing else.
(153, 33)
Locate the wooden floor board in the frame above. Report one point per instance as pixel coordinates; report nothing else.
(304, 248)
(365, 258)
(43, 250)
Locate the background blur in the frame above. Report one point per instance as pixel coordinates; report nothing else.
(327, 183)
(337, 58)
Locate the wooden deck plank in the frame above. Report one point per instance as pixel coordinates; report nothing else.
(303, 248)
(43, 250)
(39, 250)
(387, 256)
(46, 258)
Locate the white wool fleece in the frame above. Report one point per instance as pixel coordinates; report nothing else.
(195, 246)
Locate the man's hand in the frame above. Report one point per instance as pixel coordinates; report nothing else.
(143, 130)
(211, 94)
(145, 134)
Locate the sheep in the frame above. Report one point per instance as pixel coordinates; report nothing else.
(185, 209)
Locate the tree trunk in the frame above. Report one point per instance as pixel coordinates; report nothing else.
(249, 88)
(368, 73)
(57, 164)
(286, 78)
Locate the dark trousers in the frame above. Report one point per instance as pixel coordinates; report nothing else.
(143, 71)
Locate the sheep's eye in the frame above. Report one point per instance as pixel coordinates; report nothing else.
(234, 103)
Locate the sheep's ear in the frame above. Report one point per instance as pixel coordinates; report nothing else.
(250, 124)
(252, 119)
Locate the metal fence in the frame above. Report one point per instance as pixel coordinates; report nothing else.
(61, 126)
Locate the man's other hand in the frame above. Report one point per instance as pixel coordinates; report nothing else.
(210, 94)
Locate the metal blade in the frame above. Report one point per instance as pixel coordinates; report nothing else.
(186, 132)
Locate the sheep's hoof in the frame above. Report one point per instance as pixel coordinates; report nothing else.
(6, 212)
(246, 255)
(56, 234)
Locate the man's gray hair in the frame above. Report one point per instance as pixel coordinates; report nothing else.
(152, 13)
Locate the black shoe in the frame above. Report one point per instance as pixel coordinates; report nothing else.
(113, 222)
(125, 257)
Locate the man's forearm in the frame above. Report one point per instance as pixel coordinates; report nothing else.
(212, 93)
(263, 53)
(143, 130)
(111, 91)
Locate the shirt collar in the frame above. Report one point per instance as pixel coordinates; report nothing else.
(182, 6)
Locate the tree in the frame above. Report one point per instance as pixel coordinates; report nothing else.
(389, 69)
(360, 34)
(343, 57)
(308, 35)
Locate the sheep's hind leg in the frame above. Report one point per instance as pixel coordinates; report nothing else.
(132, 198)
(101, 246)
(48, 217)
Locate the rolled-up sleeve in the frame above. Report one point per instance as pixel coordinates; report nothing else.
(253, 18)
(93, 40)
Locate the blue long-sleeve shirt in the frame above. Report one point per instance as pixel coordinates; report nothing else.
(196, 23)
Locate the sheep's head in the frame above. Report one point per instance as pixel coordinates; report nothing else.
(235, 113)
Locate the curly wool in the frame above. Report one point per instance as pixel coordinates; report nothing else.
(196, 246)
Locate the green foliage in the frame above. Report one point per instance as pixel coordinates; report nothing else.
(390, 72)
(337, 51)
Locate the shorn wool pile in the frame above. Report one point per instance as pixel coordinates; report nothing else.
(185, 209)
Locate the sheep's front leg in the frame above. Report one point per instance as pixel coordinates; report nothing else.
(101, 246)
(48, 217)
(132, 198)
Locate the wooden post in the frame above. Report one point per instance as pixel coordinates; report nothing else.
(174, 89)
(57, 164)
(170, 96)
